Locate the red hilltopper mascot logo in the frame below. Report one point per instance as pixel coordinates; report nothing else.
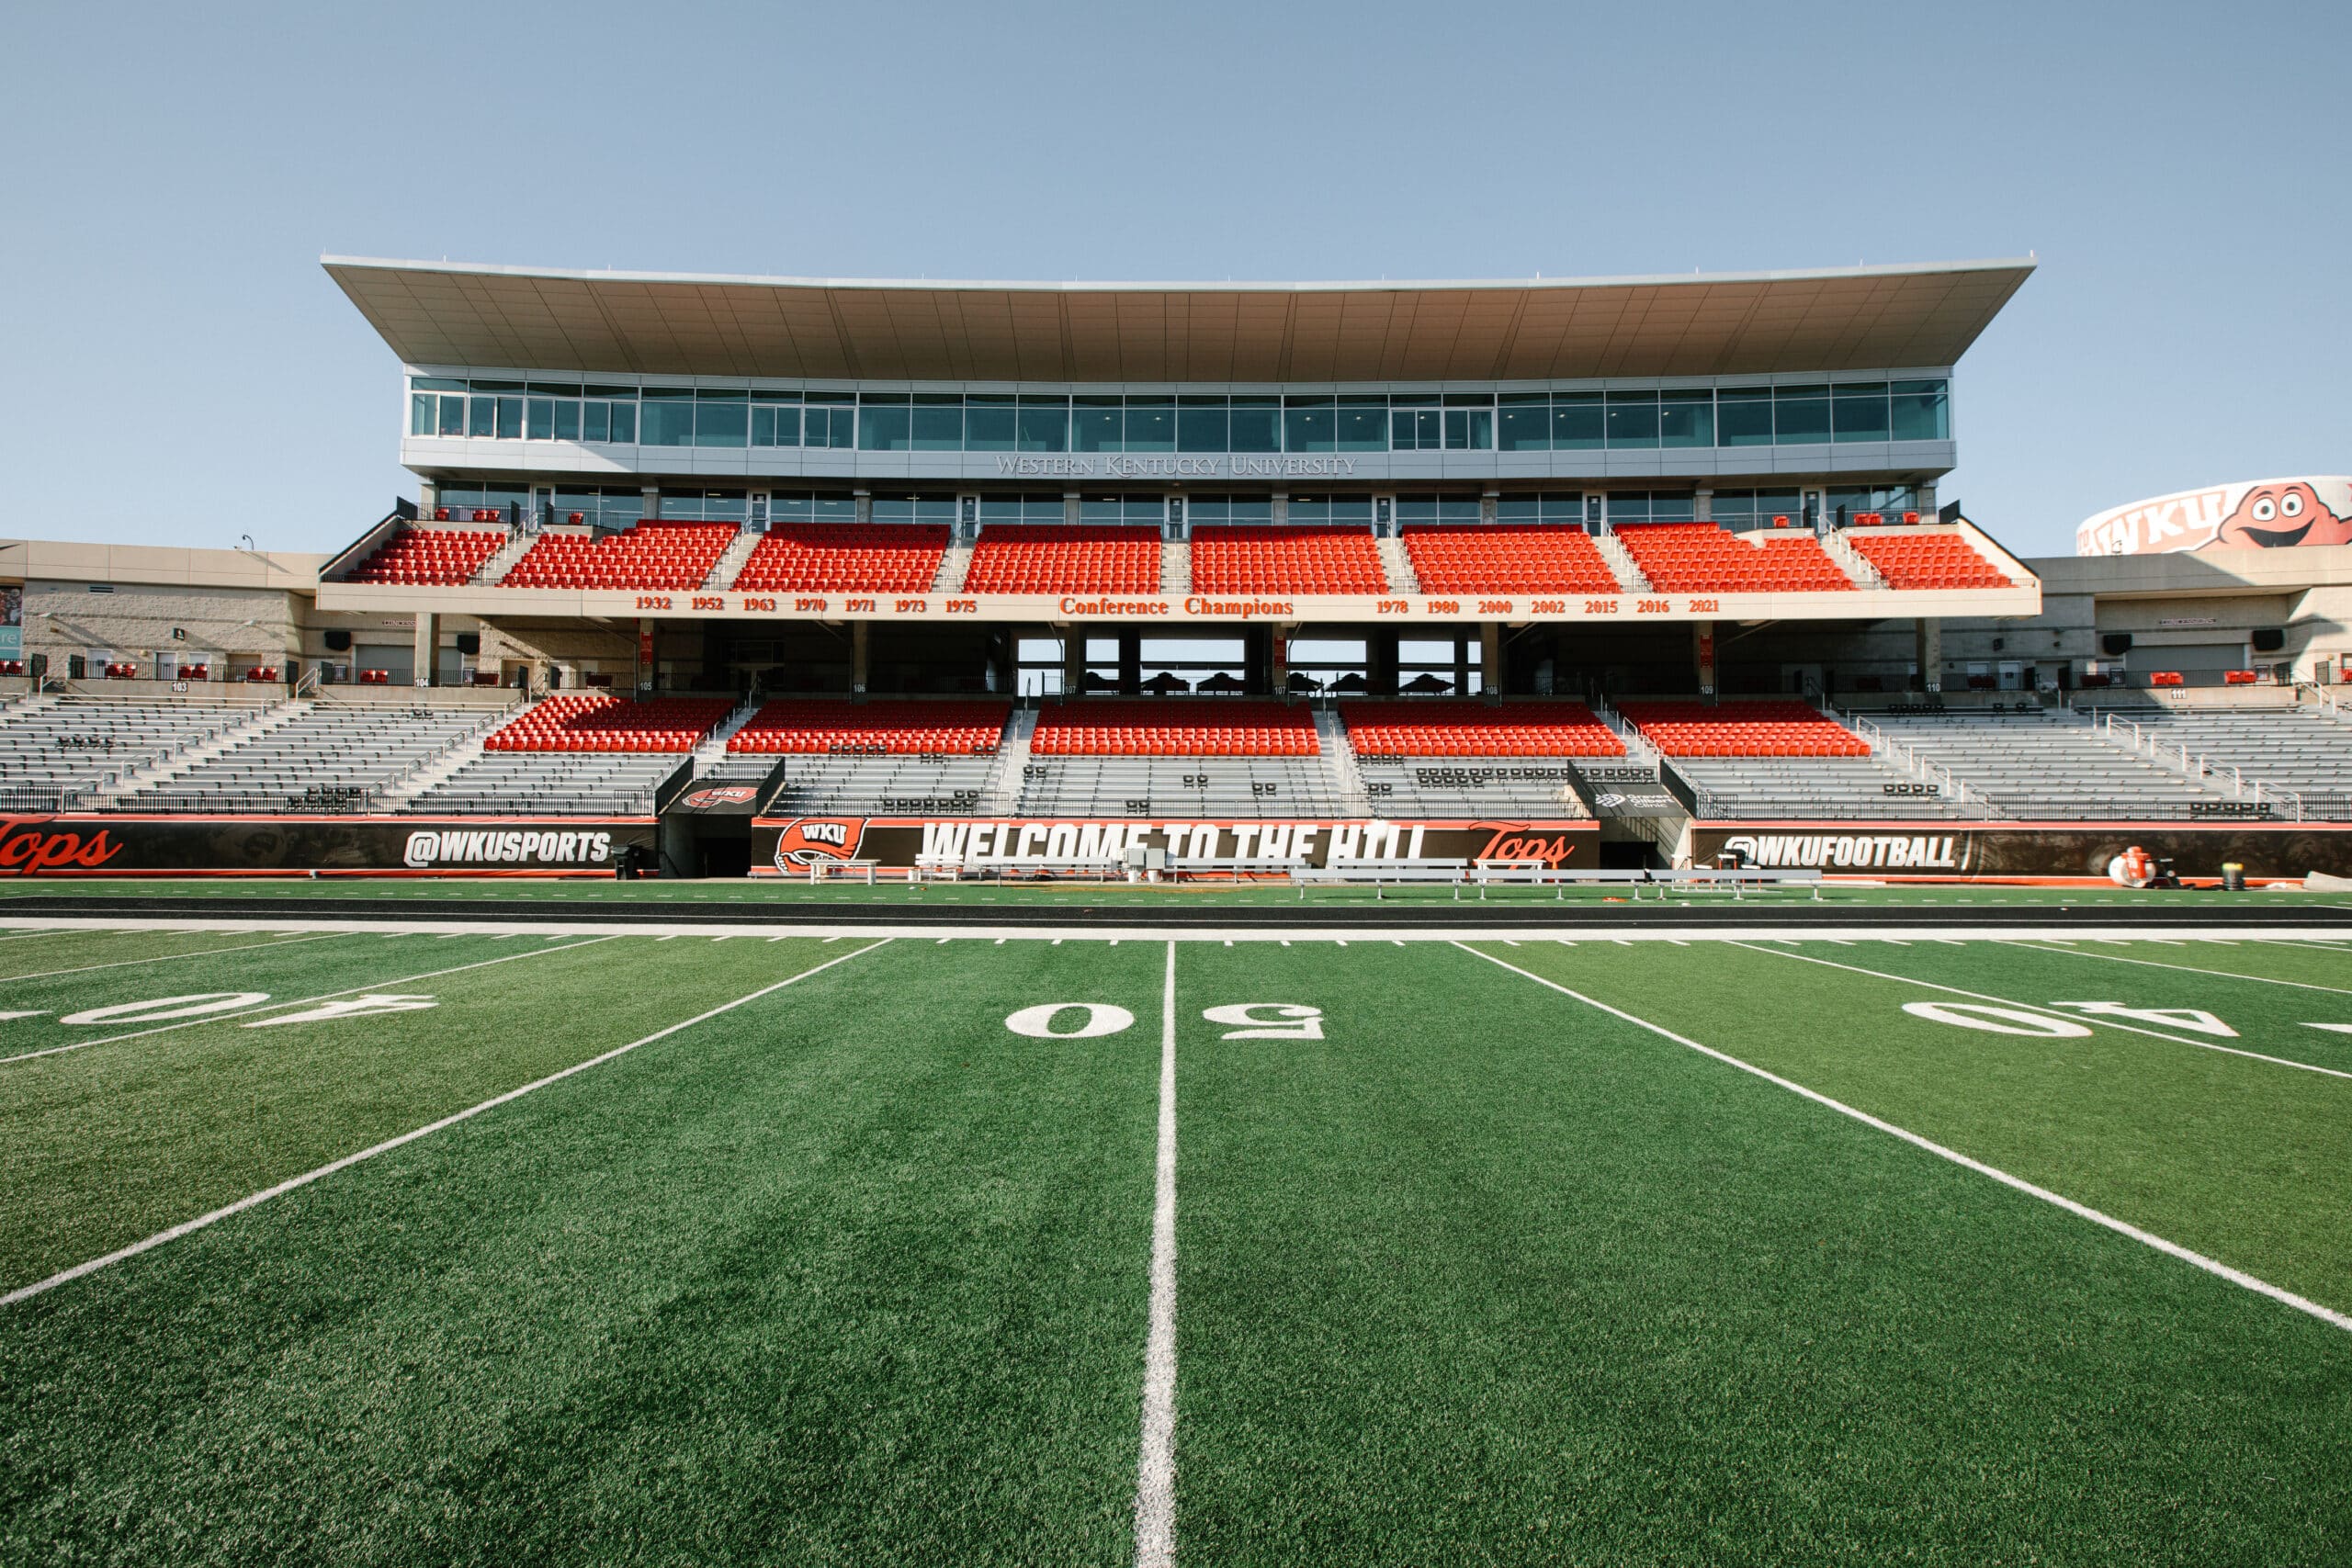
(817, 841)
(29, 846)
(1512, 840)
(725, 794)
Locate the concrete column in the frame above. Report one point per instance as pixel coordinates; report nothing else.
(1380, 662)
(1927, 644)
(1490, 659)
(1070, 512)
(1281, 506)
(1490, 507)
(428, 648)
(857, 657)
(1702, 655)
(652, 505)
(1278, 656)
(1461, 666)
(862, 505)
(1073, 662)
(1130, 664)
(1702, 504)
(646, 628)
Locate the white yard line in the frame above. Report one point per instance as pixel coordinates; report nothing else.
(2184, 968)
(1156, 1456)
(297, 1001)
(2083, 1211)
(252, 1200)
(2094, 1022)
(167, 957)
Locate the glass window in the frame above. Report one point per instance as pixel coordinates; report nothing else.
(762, 426)
(482, 417)
(1457, 509)
(509, 419)
(1151, 425)
(914, 509)
(1042, 424)
(938, 422)
(1743, 416)
(1919, 411)
(1800, 413)
(424, 412)
(987, 423)
(830, 424)
(669, 417)
(1470, 421)
(1633, 419)
(783, 425)
(540, 419)
(1686, 418)
(1095, 425)
(453, 416)
(1257, 425)
(1524, 421)
(624, 423)
(436, 384)
(554, 390)
(886, 423)
(1102, 509)
(481, 385)
(721, 424)
(1363, 424)
(1858, 411)
(1201, 424)
(1310, 509)
(1310, 424)
(1576, 422)
(1517, 509)
(566, 420)
(595, 422)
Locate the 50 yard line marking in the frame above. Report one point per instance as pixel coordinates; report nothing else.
(2213, 1265)
(1156, 1453)
(252, 1200)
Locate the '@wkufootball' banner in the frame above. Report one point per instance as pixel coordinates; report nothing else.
(2073, 849)
(2265, 515)
(791, 846)
(109, 846)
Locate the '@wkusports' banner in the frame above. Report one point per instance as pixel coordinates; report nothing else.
(792, 846)
(2266, 514)
(115, 846)
(1946, 850)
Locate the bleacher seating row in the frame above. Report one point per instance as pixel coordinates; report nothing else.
(1765, 728)
(1092, 558)
(814, 725)
(1123, 728)
(1448, 728)
(598, 721)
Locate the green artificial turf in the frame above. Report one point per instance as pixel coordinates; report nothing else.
(854, 1273)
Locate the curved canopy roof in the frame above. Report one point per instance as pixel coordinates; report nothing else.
(1538, 329)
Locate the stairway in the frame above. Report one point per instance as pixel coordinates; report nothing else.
(1852, 562)
(1002, 795)
(1620, 561)
(502, 560)
(157, 773)
(712, 749)
(1399, 563)
(730, 561)
(1175, 565)
(1340, 761)
(399, 793)
(954, 566)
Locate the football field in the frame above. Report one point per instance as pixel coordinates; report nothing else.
(500, 1245)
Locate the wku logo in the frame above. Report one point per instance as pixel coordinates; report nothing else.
(730, 795)
(29, 847)
(813, 841)
(1512, 840)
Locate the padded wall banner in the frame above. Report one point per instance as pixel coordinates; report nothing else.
(790, 846)
(95, 846)
(2074, 848)
(2266, 514)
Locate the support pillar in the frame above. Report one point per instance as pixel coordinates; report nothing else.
(1702, 655)
(645, 631)
(1278, 660)
(1130, 664)
(428, 648)
(1380, 663)
(1928, 646)
(1073, 662)
(651, 506)
(1460, 665)
(857, 659)
(1490, 659)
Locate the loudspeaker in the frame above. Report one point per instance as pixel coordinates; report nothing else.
(470, 643)
(2116, 643)
(2269, 639)
(338, 641)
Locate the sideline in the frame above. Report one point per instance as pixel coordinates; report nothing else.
(2190, 968)
(167, 957)
(1156, 1458)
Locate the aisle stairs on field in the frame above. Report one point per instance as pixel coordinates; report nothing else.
(1398, 562)
(1339, 760)
(494, 570)
(397, 797)
(1003, 793)
(1175, 565)
(954, 566)
(712, 750)
(1620, 561)
(1851, 561)
(732, 558)
(163, 773)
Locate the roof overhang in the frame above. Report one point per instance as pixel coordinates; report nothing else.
(1534, 329)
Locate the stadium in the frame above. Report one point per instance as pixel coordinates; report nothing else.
(912, 922)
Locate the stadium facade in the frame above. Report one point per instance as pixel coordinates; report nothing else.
(799, 521)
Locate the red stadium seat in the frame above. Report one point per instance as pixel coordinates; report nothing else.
(1508, 559)
(844, 558)
(927, 727)
(1447, 728)
(1699, 557)
(1021, 558)
(598, 721)
(429, 557)
(1928, 560)
(1782, 728)
(1307, 560)
(651, 555)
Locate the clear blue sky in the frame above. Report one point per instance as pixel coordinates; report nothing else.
(180, 370)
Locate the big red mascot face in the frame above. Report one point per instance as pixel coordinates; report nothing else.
(2271, 517)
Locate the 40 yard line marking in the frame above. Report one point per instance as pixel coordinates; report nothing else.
(2213, 1265)
(1156, 1452)
(2098, 1022)
(2191, 969)
(252, 1200)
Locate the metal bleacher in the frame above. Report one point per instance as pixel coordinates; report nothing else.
(1848, 787)
(2306, 754)
(1192, 787)
(326, 758)
(59, 751)
(561, 784)
(1470, 786)
(2032, 765)
(885, 785)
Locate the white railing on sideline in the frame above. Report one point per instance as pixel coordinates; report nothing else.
(1910, 762)
(2194, 766)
